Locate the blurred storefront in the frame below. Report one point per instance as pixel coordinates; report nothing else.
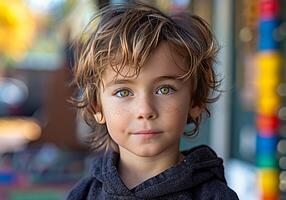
(41, 156)
(42, 140)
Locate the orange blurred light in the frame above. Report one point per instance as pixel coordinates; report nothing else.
(19, 129)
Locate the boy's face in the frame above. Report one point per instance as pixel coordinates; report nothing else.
(147, 115)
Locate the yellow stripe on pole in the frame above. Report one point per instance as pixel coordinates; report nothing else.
(268, 181)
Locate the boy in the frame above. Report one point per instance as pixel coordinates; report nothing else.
(143, 77)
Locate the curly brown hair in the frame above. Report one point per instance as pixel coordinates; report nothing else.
(121, 35)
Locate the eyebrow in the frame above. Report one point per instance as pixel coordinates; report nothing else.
(158, 79)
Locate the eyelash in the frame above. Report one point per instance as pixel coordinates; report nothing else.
(117, 92)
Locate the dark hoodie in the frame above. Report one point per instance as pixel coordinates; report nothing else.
(199, 176)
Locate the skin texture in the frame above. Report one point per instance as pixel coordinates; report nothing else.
(146, 115)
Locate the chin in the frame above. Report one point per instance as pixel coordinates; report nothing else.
(147, 152)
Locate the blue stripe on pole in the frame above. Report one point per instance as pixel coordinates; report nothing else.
(267, 38)
(266, 145)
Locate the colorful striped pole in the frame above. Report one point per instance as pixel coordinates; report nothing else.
(268, 101)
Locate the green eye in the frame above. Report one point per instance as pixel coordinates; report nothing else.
(123, 93)
(166, 90)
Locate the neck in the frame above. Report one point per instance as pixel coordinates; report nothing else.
(134, 169)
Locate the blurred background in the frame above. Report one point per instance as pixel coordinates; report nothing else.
(43, 149)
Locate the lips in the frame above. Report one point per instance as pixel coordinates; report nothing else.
(147, 132)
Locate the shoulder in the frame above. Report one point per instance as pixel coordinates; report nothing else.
(215, 189)
(208, 172)
(87, 187)
(204, 151)
(82, 189)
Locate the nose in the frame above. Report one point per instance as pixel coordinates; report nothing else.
(146, 108)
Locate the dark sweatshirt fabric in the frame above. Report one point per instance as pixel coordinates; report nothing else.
(199, 176)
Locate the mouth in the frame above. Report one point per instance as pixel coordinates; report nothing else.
(147, 132)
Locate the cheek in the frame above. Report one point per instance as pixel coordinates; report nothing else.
(175, 108)
(176, 111)
(179, 106)
(114, 116)
(110, 107)
(114, 111)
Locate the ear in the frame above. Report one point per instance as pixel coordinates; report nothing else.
(195, 112)
(98, 116)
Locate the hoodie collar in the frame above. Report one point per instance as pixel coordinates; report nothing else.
(200, 165)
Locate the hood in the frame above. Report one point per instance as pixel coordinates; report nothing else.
(200, 165)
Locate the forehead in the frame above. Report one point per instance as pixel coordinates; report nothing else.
(163, 60)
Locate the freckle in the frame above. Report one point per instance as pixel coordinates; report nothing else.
(126, 110)
(172, 108)
(175, 108)
(121, 111)
(116, 112)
